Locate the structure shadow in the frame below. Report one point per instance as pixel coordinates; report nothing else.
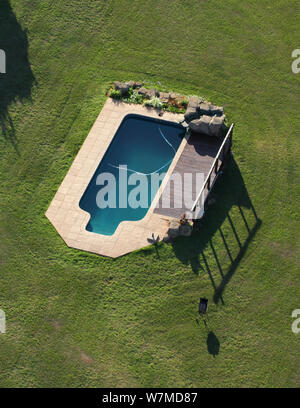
(205, 145)
(229, 191)
(17, 82)
(213, 344)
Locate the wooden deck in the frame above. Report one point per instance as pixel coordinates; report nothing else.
(196, 158)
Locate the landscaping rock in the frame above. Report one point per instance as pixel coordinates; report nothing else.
(185, 230)
(143, 91)
(152, 93)
(207, 125)
(194, 102)
(148, 93)
(192, 111)
(217, 126)
(131, 84)
(191, 114)
(122, 87)
(177, 229)
(176, 98)
(138, 84)
(200, 125)
(134, 85)
(164, 97)
(217, 110)
(173, 230)
(211, 110)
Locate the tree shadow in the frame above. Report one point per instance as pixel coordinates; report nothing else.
(16, 83)
(213, 344)
(229, 191)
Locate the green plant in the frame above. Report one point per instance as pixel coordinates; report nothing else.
(184, 103)
(130, 92)
(115, 94)
(154, 103)
(134, 97)
(174, 109)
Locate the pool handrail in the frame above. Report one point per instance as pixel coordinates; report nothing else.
(207, 182)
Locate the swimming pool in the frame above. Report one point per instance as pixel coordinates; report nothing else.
(141, 148)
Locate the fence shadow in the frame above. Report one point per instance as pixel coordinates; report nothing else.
(229, 191)
(17, 82)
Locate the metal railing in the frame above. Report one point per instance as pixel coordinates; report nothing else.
(208, 183)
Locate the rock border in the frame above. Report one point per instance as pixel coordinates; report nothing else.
(201, 116)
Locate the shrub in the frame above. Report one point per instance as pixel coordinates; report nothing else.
(174, 109)
(115, 94)
(134, 97)
(130, 92)
(154, 103)
(184, 103)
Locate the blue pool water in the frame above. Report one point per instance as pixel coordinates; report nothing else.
(146, 146)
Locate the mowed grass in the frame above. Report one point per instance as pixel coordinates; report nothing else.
(75, 319)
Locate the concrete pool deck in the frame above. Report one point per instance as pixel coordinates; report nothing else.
(70, 220)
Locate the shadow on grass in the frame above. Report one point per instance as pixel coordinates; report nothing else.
(213, 344)
(229, 191)
(16, 83)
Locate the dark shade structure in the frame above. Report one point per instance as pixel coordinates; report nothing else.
(202, 305)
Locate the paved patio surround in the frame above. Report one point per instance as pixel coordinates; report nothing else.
(70, 220)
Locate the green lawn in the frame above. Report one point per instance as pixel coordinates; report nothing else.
(75, 319)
